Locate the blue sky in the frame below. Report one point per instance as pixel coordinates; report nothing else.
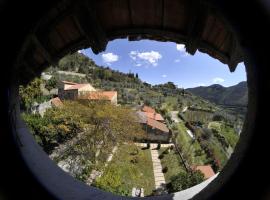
(160, 62)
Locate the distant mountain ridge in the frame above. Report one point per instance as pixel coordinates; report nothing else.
(236, 95)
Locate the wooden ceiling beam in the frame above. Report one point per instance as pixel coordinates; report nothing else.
(235, 55)
(46, 54)
(86, 17)
(196, 24)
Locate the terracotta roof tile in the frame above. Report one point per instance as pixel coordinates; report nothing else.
(154, 116)
(100, 95)
(70, 83)
(75, 87)
(148, 109)
(206, 170)
(157, 125)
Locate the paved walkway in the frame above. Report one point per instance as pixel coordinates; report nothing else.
(174, 115)
(154, 145)
(158, 174)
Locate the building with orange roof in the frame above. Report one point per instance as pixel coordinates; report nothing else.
(155, 116)
(206, 170)
(148, 109)
(157, 131)
(151, 121)
(101, 95)
(71, 91)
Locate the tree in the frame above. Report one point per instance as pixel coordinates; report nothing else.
(51, 83)
(30, 93)
(185, 180)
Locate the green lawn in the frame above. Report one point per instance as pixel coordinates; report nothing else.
(173, 162)
(229, 133)
(121, 175)
(193, 151)
(218, 151)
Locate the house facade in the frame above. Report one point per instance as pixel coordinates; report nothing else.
(72, 91)
(154, 125)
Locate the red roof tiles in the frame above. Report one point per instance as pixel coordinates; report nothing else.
(95, 95)
(158, 125)
(154, 116)
(148, 109)
(76, 86)
(206, 170)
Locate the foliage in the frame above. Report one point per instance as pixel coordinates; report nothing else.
(30, 93)
(122, 175)
(102, 123)
(165, 169)
(51, 83)
(111, 181)
(161, 156)
(185, 180)
(56, 126)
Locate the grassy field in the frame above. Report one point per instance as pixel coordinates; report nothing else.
(130, 167)
(228, 132)
(173, 162)
(218, 151)
(193, 151)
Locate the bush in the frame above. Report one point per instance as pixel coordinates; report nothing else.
(161, 156)
(111, 181)
(185, 180)
(165, 169)
(158, 146)
(134, 160)
(134, 152)
(166, 151)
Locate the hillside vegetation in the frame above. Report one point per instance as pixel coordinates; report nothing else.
(235, 95)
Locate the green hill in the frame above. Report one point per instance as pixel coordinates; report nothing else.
(236, 95)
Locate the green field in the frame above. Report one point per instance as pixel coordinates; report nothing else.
(173, 162)
(128, 170)
(192, 151)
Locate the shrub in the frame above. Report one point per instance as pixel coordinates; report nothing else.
(158, 146)
(134, 160)
(166, 150)
(185, 180)
(134, 152)
(165, 169)
(161, 156)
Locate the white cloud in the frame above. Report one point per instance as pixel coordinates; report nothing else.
(177, 60)
(201, 84)
(164, 76)
(145, 58)
(133, 55)
(218, 80)
(182, 49)
(108, 58)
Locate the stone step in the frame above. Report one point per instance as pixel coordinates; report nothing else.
(159, 178)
